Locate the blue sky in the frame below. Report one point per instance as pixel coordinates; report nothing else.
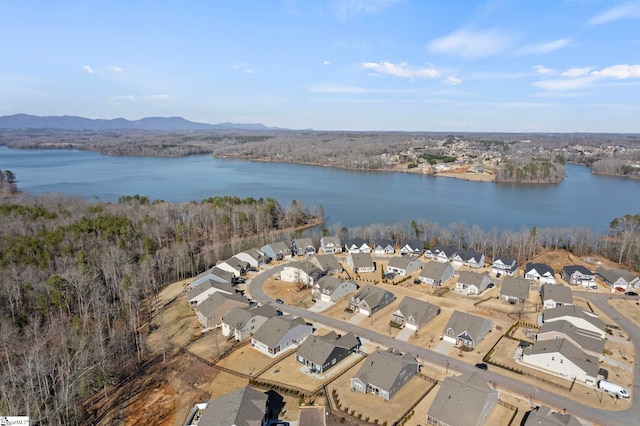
(410, 65)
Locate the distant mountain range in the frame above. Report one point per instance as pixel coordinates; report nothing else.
(68, 122)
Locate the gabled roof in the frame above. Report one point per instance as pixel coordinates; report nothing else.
(420, 310)
(327, 262)
(308, 268)
(556, 292)
(571, 269)
(361, 260)
(331, 240)
(274, 329)
(401, 262)
(472, 278)
(573, 311)
(244, 407)
(541, 268)
(317, 349)
(303, 243)
(209, 306)
(371, 294)
(462, 399)
(382, 368)
(384, 243)
(469, 255)
(583, 338)
(588, 363)
(355, 242)
(255, 254)
(446, 250)
(516, 287)
(612, 275)
(238, 317)
(505, 260)
(216, 274)
(328, 284)
(543, 416)
(434, 270)
(207, 285)
(279, 247)
(461, 322)
(414, 244)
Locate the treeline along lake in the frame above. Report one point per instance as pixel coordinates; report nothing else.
(350, 198)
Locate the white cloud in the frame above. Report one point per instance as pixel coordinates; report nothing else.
(543, 70)
(325, 63)
(350, 8)
(401, 70)
(452, 80)
(576, 72)
(249, 71)
(116, 69)
(159, 97)
(565, 83)
(331, 88)
(543, 47)
(628, 11)
(122, 98)
(619, 72)
(470, 44)
(88, 69)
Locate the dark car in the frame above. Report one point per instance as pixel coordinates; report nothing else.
(630, 293)
(481, 366)
(279, 301)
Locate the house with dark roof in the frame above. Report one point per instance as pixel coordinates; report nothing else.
(472, 283)
(515, 290)
(539, 272)
(234, 265)
(246, 406)
(462, 400)
(253, 257)
(277, 251)
(330, 245)
(279, 334)
(562, 358)
(618, 278)
(357, 245)
(383, 373)
(414, 313)
(361, 262)
(413, 247)
(403, 265)
(579, 275)
(589, 342)
(240, 323)
(441, 253)
(302, 271)
(214, 274)
(436, 273)
(303, 247)
(320, 353)
(384, 246)
(464, 329)
(370, 299)
(470, 258)
(554, 295)
(504, 265)
(576, 316)
(330, 289)
(211, 311)
(544, 416)
(327, 262)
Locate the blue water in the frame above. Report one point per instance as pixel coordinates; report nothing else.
(350, 198)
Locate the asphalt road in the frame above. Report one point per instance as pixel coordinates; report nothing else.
(630, 416)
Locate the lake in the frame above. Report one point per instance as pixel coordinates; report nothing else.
(351, 198)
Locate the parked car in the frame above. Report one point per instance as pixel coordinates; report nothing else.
(620, 289)
(482, 366)
(491, 285)
(630, 293)
(279, 301)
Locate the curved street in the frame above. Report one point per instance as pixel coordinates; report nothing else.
(542, 396)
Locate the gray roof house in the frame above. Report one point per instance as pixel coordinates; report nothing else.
(515, 289)
(413, 247)
(303, 271)
(357, 245)
(240, 323)
(206, 288)
(361, 262)
(414, 313)
(589, 342)
(543, 416)
(618, 278)
(330, 245)
(277, 251)
(303, 246)
(254, 257)
(579, 275)
(462, 400)
(320, 353)
(472, 282)
(554, 295)
(330, 289)
(215, 274)
(464, 329)
(246, 406)
(563, 358)
(215, 307)
(327, 262)
(383, 246)
(370, 299)
(504, 265)
(576, 316)
(234, 265)
(441, 253)
(383, 373)
(470, 258)
(436, 273)
(539, 272)
(403, 265)
(279, 334)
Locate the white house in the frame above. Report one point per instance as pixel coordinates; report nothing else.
(384, 246)
(206, 288)
(330, 245)
(357, 245)
(504, 266)
(576, 316)
(539, 272)
(403, 265)
(412, 247)
(472, 283)
(253, 257)
(301, 272)
(243, 322)
(330, 289)
(562, 358)
(579, 275)
(361, 262)
(470, 258)
(555, 295)
(436, 273)
(279, 334)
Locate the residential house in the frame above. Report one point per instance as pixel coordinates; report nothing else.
(441, 253)
(304, 272)
(357, 245)
(384, 246)
(414, 314)
(436, 273)
(215, 274)
(515, 290)
(544, 416)
(211, 311)
(472, 283)
(555, 295)
(462, 400)
(539, 272)
(234, 265)
(246, 406)
(279, 334)
(241, 323)
(413, 247)
(562, 358)
(361, 262)
(615, 278)
(464, 329)
(327, 262)
(330, 245)
(370, 299)
(576, 316)
(504, 265)
(579, 275)
(470, 258)
(587, 341)
(403, 265)
(253, 257)
(277, 251)
(330, 289)
(303, 247)
(320, 353)
(383, 373)
(206, 288)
